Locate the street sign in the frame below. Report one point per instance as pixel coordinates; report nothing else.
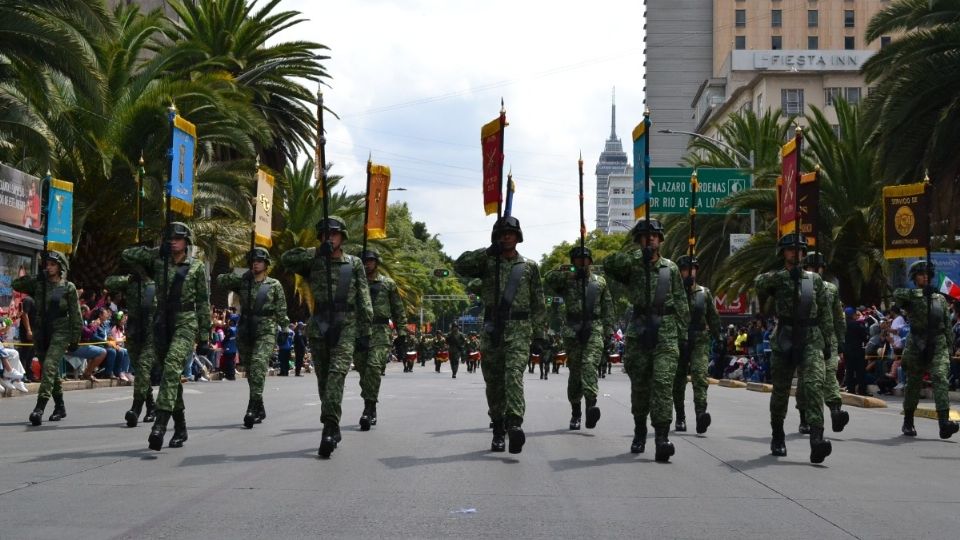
(670, 189)
(737, 241)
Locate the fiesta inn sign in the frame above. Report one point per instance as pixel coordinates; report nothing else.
(799, 60)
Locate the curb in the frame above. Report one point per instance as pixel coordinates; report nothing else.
(729, 383)
(865, 402)
(759, 387)
(711, 380)
(931, 413)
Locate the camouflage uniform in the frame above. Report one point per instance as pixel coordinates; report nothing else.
(54, 335)
(140, 294)
(927, 349)
(256, 331)
(505, 355)
(695, 357)
(332, 343)
(457, 345)
(473, 345)
(779, 288)
(187, 323)
(584, 346)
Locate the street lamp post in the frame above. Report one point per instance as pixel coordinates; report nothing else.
(718, 142)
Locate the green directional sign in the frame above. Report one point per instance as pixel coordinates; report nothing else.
(670, 189)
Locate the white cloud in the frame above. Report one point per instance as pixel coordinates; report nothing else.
(414, 80)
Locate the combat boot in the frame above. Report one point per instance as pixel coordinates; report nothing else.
(251, 416)
(155, 440)
(517, 439)
(778, 444)
(179, 429)
(151, 413)
(908, 429)
(36, 417)
(575, 416)
(593, 413)
(664, 448)
(639, 437)
(804, 427)
(498, 444)
(328, 440)
(261, 411)
(681, 423)
(838, 418)
(947, 427)
(365, 421)
(820, 448)
(703, 420)
(133, 415)
(59, 409)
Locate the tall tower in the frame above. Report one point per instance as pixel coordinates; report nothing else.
(613, 160)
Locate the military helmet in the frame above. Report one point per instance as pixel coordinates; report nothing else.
(578, 252)
(258, 254)
(370, 254)
(506, 223)
(179, 229)
(335, 224)
(688, 261)
(60, 259)
(919, 267)
(815, 260)
(645, 226)
(791, 240)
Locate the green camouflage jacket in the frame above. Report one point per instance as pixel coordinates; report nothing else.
(916, 308)
(628, 268)
(69, 323)
(309, 264)
(561, 282)
(777, 287)
(273, 313)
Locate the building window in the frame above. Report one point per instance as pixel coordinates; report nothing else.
(741, 18)
(740, 43)
(849, 19)
(884, 41)
(830, 95)
(776, 18)
(776, 42)
(813, 43)
(849, 43)
(836, 130)
(813, 18)
(791, 100)
(760, 102)
(852, 95)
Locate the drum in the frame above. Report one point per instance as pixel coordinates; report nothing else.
(560, 358)
(443, 356)
(475, 356)
(535, 358)
(614, 358)
(411, 356)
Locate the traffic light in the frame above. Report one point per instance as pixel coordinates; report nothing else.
(441, 273)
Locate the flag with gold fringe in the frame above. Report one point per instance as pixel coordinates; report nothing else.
(787, 185)
(491, 140)
(641, 162)
(379, 184)
(183, 153)
(263, 214)
(60, 216)
(906, 227)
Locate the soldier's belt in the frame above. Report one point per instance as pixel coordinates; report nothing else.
(337, 308)
(381, 320)
(790, 321)
(514, 315)
(668, 310)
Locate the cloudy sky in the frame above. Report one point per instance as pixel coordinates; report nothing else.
(414, 80)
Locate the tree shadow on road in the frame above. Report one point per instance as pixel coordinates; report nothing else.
(86, 454)
(404, 462)
(219, 459)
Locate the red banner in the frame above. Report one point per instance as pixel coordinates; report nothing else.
(735, 306)
(787, 186)
(808, 197)
(491, 139)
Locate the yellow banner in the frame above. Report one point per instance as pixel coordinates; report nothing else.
(906, 223)
(263, 215)
(377, 201)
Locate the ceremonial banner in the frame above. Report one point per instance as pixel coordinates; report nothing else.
(641, 140)
(906, 229)
(377, 202)
(808, 197)
(263, 212)
(787, 186)
(183, 153)
(491, 140)
(60, 216)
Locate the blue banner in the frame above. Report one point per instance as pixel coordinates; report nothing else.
(641, 163)
(60, 216)
(183, 154)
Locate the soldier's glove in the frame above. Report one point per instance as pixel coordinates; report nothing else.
(72, 347)
(203, 348)
(795, 273)
(494, 249)
(362, 344)
(929, 290)
(326, 249)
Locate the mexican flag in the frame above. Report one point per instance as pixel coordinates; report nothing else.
(948, 287)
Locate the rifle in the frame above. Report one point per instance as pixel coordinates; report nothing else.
(322, 177)
(584, 334)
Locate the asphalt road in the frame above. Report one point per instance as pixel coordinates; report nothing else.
(425, 471)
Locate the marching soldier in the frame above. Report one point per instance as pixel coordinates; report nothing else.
(181, 321)
(815, 262)
(263, 307)
(694, 346)
(473, 352)
(336, 329)
(589, 318)
(514, 318)
(804, 322)
(140, 293)
(457, 345)
(56, 331)
(387, 305)
(659, 311)
(409, 356)
(928, 347)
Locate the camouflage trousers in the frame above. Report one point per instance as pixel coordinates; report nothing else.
(50, 384)
(915, 367)
(502, 369)
(582, 360)
(831, 386)
(331, 364)
(143, 356)
(695, 364)
(809, 385)
(170, 393)
(255, 358)
(651, 375)
(370, 365)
